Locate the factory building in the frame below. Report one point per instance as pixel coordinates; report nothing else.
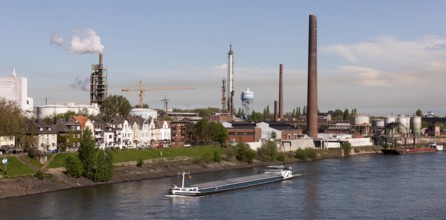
(55, 109)
(16, 89)
(145, 113)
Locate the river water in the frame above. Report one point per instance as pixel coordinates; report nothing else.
(359, 187)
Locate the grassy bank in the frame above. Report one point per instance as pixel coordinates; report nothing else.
(14, 168)
(135, 155)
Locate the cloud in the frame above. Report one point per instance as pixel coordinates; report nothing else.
(388, 60)
(57, 39)
(385, 74)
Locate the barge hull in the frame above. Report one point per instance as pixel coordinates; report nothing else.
(237, 183)
(416, 150)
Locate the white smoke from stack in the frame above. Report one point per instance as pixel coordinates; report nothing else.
(86, 41)
(81, 42)
(81, 84)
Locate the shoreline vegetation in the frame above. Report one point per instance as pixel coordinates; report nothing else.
(26, 177)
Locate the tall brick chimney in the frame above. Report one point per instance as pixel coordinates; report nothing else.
(312, 109)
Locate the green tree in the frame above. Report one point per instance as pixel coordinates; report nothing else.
(115, 105)
(217, 132)
(419, 113)
(273, 135)
(65, 115)
(268, 152)
(346, 115)
(74, 166)
(347, 148)
(255, 117)
(12, 120)
(244, 153)
(201, 131)
(104, 166)
(87, 153)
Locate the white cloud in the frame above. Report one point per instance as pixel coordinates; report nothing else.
(57, 39)
(389, 72)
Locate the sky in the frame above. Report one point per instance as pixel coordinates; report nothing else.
(379, 57)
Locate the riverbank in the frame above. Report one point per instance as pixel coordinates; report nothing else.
(55, 179)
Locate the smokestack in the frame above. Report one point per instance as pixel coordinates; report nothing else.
(281, 92)
(275, 110)
(100, 59)
(312, 79)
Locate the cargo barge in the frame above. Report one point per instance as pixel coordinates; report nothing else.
(272, 174)
(408, 150)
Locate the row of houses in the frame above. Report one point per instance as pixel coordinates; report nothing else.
(120, 132)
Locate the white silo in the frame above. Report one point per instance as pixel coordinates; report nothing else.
(361, 120)
(402, 127)
(247, 102)
(415, 125)
(379, 123)
(388, 120)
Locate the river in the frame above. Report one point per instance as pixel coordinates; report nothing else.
(359, 187)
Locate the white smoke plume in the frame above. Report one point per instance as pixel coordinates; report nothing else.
(81, 84)
(57, 39)
(86, 41)
(81, 42)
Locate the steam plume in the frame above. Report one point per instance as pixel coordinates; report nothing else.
(81, 42)
(86, 41)
(81, 84)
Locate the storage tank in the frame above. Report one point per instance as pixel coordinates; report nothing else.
(402, 120)
(379, 123)
(361, 120)
(247, 102)
(415, 125)
(389, 119)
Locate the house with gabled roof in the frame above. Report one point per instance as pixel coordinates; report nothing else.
(45, 135)
(84, 122)
(69, 131)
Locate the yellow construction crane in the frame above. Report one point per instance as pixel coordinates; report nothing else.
(142, 90)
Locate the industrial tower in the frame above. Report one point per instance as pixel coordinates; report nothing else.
(247, 102)
(230, 88)
(98, 83)
(312, 127)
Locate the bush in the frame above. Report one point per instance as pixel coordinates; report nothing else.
(74, 166)
(267, 152)
(40, 175)
(230, 153)
(216, 157)
(281, 157)
(244, 153)
(312, 153)
(347, 148)
(305, 154)
(140, 162)
(301, 154)
(104, 166)
(31, 152)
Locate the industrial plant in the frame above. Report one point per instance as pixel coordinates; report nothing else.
(146, 127)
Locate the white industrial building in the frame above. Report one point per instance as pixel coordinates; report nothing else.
(145, 113)
(55, 109)
(16, 89)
